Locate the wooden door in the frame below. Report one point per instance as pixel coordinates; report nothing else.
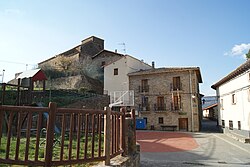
(183, 124)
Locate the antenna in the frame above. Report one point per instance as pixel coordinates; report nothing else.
(124, 47)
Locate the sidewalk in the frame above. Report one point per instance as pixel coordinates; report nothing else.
(214, 149)
(210, 126)
(242, 146)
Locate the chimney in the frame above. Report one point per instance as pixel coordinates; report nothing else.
(153, 64)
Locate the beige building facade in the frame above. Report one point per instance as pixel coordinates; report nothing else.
(168, 97)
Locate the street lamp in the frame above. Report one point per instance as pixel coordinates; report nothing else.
(3, 75)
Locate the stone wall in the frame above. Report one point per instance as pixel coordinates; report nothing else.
(160, 86)
(82, 59)
(94, 66)
(60, 62)
(96, 102)
(75, 82)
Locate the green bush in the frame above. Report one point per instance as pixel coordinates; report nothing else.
(82, 90)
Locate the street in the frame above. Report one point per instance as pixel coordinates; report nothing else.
(213, 149)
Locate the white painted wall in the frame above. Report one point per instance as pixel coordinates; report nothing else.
(239, 111)
(120, 82)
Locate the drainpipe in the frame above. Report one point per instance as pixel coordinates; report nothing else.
(191, 102)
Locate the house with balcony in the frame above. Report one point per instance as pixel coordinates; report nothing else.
(233, 93)
(168, 97)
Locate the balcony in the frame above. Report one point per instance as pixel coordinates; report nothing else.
(174, 87)
(143, 89)
(161, 107)
(144, 107)
(176, 107)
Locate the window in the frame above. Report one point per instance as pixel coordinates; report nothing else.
(221, 104)
(145, 105)
(239, 125)
(144, 85)
(176, 102)
(160, 103)
(233, 99)
(144, 101)
(176, 83)
(231, 127)
(160, 120)
(223, 123)
(146, 119)
(116, 71)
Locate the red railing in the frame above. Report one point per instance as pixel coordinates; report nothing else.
(73, 136)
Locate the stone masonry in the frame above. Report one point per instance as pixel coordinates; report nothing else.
(159, 102)
(89, 58)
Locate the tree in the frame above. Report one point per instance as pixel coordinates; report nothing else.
(64, 63)
(248, 55)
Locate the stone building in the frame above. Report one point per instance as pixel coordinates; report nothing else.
(168, 97)
(89, 58)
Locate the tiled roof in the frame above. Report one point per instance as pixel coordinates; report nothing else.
(124, 56)
(169, 69)
(241, 69)
(119, 54)
(210, 106)
(208, 102)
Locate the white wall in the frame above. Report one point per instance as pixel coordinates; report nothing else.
(120, 82)
(239, 111)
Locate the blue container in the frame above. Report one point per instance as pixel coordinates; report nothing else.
(140, 123)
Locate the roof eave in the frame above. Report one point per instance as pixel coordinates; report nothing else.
(241, 69)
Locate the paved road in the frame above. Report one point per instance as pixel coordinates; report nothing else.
(214, 149)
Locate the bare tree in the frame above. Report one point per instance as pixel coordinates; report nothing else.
(248, 55)
(64, 63)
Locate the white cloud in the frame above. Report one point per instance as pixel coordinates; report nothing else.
(13, 12)
(239, 50)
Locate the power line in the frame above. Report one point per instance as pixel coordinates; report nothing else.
(12, 62)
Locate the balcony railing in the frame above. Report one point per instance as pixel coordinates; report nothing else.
(175, 87)
(143, 88)
(144, 108)
(161, 107)
(176, 107)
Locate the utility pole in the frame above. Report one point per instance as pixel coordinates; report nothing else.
(3, 75)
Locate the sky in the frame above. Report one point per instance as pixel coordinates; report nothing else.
(213, 35)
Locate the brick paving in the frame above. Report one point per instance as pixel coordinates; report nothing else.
(161, 141)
